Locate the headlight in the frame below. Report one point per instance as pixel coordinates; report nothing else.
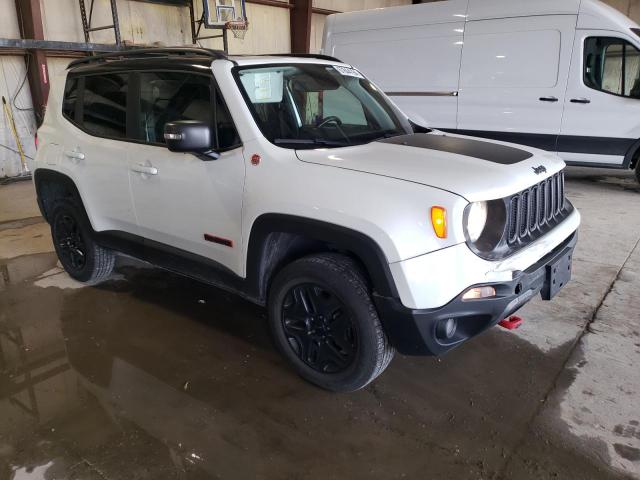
(484, 226)
(476, 220)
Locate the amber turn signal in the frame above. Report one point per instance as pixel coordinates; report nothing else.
(439, 221)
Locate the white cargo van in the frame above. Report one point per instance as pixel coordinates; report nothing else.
(561, 75)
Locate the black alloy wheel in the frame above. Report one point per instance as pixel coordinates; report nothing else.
(71, 247)
(319, 328)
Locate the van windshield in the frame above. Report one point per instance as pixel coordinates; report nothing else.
(312, 105)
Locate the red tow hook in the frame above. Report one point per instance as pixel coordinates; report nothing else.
(511, 323)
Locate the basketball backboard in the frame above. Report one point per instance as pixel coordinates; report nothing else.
(218, 12)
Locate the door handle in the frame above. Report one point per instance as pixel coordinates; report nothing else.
(548, 99)
(146, 169)
(74, 154)
(580, 100)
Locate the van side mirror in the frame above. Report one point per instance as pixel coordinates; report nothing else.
(188, 136)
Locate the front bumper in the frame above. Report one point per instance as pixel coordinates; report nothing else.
(422, 332)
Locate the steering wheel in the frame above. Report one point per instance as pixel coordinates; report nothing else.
(330, 119)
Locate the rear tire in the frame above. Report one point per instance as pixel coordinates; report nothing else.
(638, 171)
(324, 323)
(82, 258)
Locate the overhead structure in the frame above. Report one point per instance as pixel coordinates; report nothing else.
(87, 21)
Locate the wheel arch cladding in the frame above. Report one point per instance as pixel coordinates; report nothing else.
(52, 185)
(277, 239)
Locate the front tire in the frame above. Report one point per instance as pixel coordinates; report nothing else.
(82, 258)
(324, 323)
(638, 171)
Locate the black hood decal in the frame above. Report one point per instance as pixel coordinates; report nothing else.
(488, 151)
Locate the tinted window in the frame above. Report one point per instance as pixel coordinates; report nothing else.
(169, 96)
(226, 131)
(612, 65)
(71, 92)
(104, 105)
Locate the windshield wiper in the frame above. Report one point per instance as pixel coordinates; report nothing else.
(310, 141)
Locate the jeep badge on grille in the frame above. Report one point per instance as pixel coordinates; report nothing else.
(539, 170)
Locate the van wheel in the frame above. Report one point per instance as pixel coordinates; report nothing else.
(81, 257)
(324, 323)
(638, 171)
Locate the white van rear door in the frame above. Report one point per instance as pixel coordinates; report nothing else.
(602, 108)
(513, 78)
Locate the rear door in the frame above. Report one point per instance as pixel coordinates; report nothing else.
(513, 78)
(187, 205)
(95, 146)
(602, 108)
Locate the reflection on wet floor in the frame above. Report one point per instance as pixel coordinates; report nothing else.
(156, 376)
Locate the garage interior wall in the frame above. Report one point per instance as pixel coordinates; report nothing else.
(152, 23)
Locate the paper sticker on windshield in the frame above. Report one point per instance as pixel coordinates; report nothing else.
(262, 86)
(348, 71)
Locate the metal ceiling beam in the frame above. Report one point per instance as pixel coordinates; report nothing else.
(54, 46)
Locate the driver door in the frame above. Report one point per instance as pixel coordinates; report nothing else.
(186, 205)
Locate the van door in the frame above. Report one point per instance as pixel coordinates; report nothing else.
(185, 205)
(417, 66)
(602, 108)
(513, 78)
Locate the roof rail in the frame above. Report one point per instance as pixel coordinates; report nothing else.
(319, 56)
(146, 52)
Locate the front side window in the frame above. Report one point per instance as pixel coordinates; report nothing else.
(612, 65)
(311, 105)
(170, 96)
(104, 105)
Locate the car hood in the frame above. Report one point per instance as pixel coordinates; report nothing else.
(475, 169)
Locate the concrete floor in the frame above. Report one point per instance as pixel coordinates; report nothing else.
(156, 376)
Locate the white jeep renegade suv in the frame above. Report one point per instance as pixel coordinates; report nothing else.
(295, 183)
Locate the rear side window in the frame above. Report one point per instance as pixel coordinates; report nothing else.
(104, 105)
(70, 100)
(612, 65)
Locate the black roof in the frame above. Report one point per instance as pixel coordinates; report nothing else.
(145, 53)
(166, 58)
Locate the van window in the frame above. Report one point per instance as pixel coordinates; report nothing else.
(612, 65)
(511, 60)
(104, 105)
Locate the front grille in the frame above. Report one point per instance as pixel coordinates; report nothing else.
(533, 210)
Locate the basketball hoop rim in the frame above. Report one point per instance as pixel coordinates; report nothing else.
(237, 25)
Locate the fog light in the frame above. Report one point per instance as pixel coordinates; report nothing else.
(446, 329)
(479, 292)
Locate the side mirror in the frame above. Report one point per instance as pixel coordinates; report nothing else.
(188, 136)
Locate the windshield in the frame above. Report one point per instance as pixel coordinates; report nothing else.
(311, 105)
